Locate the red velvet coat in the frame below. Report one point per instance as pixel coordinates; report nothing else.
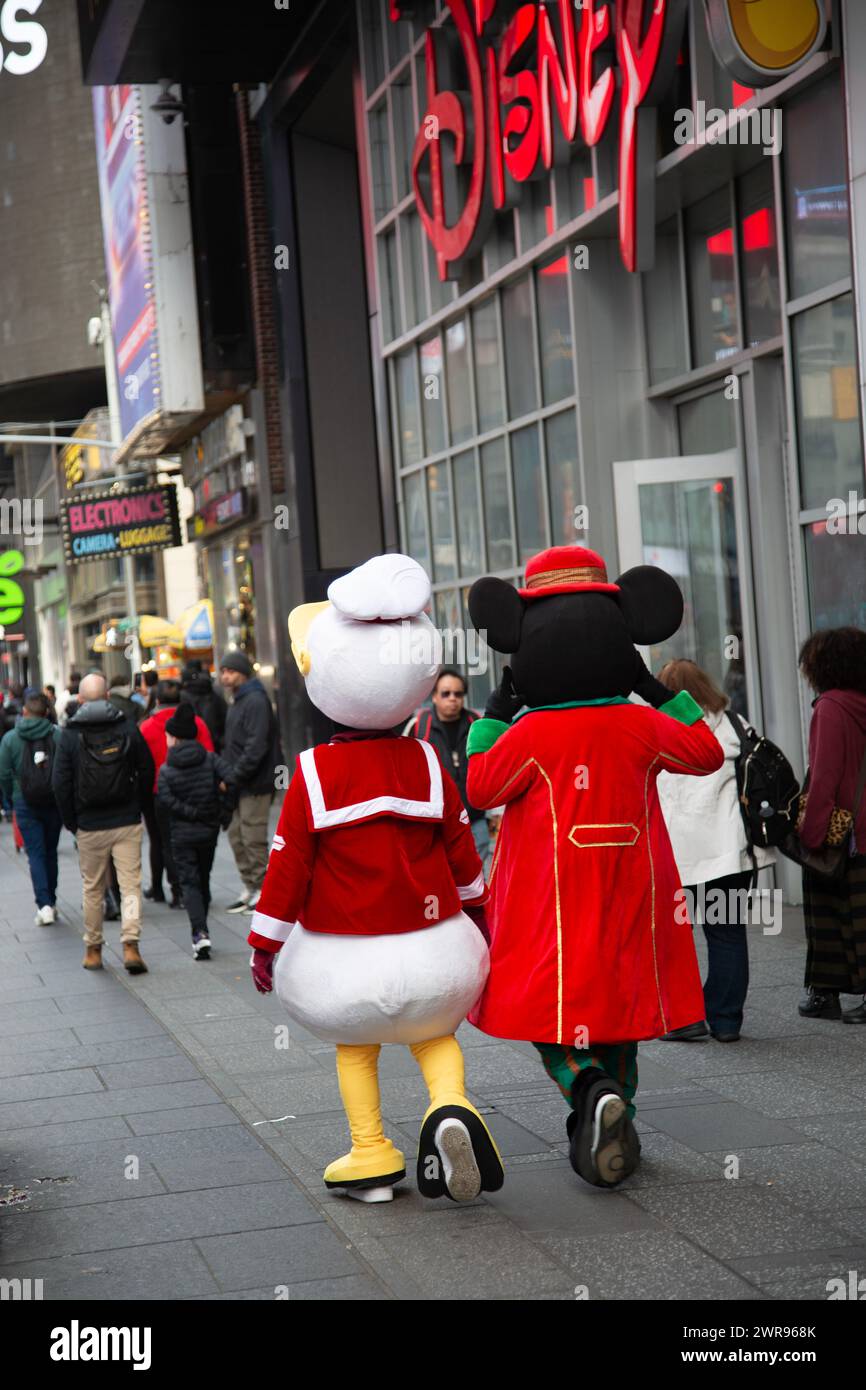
(586, 945)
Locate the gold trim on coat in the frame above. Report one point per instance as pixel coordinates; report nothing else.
(603, 844)
(655, 760)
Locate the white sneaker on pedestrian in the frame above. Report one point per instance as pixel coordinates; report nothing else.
(241, 905)
(46, 917)
(253, 903)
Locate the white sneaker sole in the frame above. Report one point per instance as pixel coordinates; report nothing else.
(370, 1194)
(236, 911)
(608, 1150)
(459, 1168)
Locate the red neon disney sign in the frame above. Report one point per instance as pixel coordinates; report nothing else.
(539, 76)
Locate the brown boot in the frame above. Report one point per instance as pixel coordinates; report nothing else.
(92, 958)
(132, 959)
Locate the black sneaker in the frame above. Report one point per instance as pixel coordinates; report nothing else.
(820, 1003)
(154, 895)
(693, 1032)
(855, 1015)
(176, 901)
(603, 1145)
(201, 945)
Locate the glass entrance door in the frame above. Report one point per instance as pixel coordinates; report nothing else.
(687, 515)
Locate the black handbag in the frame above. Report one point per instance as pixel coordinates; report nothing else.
(829, 860)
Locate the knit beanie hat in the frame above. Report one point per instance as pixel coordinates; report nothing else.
(236, 661)
(182, 723)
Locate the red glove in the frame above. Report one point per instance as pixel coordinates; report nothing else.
(479, 917)
(262, 967)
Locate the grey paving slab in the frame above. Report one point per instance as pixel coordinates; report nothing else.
(723, 1125)
(489, 1261)
(118, 1028)
(214, 1171)
(148, 1071)
(644, 1265)
(806, 1277)
(43, 1085)
(62, 1134)
(809, 1176)
(553, 1197)
(169, 1270)
(351, 1288)
(287, 1255)
(91, 1105)
(71, 1058)
(845, 1133)
(261, 1059)
(780, 1095)
(183, 1117)
(147, 1220)
(734, 1219)
(102, 1181)
(513, 1139)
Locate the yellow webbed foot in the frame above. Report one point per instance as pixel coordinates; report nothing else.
(374, 1165)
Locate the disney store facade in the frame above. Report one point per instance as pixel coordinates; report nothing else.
(612, 284)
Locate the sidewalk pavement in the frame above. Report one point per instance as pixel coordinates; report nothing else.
(156, 1141)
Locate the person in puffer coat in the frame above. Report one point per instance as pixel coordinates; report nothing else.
(196, 790)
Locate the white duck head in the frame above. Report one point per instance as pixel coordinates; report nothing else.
(369, 655)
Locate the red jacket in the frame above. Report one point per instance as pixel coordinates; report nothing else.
(586, 945)
(837, 742)
(372, 840)
(153, 733)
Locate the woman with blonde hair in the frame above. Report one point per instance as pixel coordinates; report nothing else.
(714, 857)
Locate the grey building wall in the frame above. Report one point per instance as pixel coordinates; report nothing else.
(50, 231)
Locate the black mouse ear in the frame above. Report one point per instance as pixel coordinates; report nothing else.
(496, 610)
(651, 603)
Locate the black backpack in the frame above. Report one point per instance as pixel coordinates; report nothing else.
(34, 774)
(767, 786)
(106, 774)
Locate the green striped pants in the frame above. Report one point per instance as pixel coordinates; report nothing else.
(619, 1060)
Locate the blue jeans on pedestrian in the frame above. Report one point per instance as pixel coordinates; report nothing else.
(40, 828)
(727, 981)
(481, 836)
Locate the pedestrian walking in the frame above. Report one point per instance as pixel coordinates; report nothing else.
(155, 815)
(714, 856)
(67, 703)
(198, 689)
(13, 706)
(103, 773)
(120, 695)
(188, 790)
(447, 727)
(144, 692)
(834, 664)
(251, 750)
(27, 756)
(50, 693)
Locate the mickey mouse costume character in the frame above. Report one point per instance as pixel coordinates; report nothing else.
(587, 956)
(371, 875)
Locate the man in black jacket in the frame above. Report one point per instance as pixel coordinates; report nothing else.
(198, 690)
(251, 750)
(103, 772)
(188, 789)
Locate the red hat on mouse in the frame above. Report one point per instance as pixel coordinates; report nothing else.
(566, 569)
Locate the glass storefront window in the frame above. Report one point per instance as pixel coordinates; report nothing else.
(446, 611)
(562, 477)
(488, 367)
(389, 287)
(707, 425)
(441, 291)
(664, 313)
(554, 329)
(466, 502)
(828, 416)
(762, 293)
(497, 508)
(399, 39)
(501, 246)
(380, 155)
(519, 348)
(374, 58)
(403, 120)
(408, 408)
(528, 493)
(413, 273)
(689, 529)
(713, 310)
(441, 526)
(432, 395)
(836, 565)
(415, 519)
(459, 394)
(535, 213)
(816, 189)
(233, 594)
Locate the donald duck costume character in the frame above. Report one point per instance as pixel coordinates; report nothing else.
(362, 923)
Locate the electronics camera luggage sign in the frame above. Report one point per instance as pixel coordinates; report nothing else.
(100, 525)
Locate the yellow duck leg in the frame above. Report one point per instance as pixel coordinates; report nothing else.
(457, 1156)
(374, 1165)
